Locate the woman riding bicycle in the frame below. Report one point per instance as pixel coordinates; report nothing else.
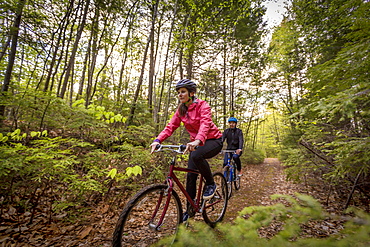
(204, 134)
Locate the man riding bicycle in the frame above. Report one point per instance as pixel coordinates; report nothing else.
(235, 141)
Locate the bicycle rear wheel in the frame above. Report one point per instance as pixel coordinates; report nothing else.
(215, 208)
(137, 224)
(236, 178)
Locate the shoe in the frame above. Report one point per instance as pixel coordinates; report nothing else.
(209, 191)
(240, 174)
(186, 216)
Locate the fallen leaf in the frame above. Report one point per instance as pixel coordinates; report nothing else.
(85, 232)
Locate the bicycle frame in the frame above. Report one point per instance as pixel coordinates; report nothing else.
(173, 179)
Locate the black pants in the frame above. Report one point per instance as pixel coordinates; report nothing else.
(197, 161)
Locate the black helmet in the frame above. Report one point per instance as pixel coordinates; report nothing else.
(186, 83)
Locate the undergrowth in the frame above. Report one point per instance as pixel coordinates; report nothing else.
(300, 210)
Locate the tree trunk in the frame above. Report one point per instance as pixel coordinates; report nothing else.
(5, 47)
(94, 54)
(85, 65)
(108, 55)
(156, 118)
(168, 96)
(64, 49)
(14, 33)
(124, 60)
(152, 59)
(140, 82)
(232, 93)
(224, 95)
(62, 28)
(181, 53)
(74, 50)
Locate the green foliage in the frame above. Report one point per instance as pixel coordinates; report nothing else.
(301, 210)
(135, 171)
(330, 114)
(271, 131)
(253, 157)
(137, 135)
(99, 112)
(103, 154)
(71, 169)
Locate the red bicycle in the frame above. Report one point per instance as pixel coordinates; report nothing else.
(156, 210)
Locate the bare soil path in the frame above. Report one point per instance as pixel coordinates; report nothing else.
(258, 183)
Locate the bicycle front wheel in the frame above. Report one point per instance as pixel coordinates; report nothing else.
(236, 179)
(215, 208)
(138, 224)
(229, 178)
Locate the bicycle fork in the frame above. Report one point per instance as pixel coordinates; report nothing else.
(228, 170)
(166, 195)
(228, 173)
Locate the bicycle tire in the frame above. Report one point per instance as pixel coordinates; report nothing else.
(215, 208)
(228, 181)
(236, 178)
(133, 227)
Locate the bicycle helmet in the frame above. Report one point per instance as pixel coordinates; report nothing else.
(186, 83)
(232, 119)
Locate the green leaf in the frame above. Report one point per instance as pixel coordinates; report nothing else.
(136, 170)
(78, 103)
(44, 133)
(16, 132)
(112, 173)
(34, 133)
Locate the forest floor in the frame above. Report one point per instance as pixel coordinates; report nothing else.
(258, 183)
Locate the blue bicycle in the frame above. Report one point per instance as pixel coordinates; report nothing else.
(230, 173)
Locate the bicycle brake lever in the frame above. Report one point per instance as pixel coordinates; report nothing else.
(158, 148)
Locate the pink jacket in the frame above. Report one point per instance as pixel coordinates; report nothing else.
(197, 121)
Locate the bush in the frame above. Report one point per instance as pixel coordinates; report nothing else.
(63, 172)
(245, 230)
(253, 157)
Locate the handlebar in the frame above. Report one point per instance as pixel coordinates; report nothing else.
(175, 148)
(228, 151)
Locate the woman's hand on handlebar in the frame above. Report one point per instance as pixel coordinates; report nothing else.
(154, 146)
(191, 146)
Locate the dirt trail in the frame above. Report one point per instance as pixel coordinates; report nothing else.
(258, 183)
